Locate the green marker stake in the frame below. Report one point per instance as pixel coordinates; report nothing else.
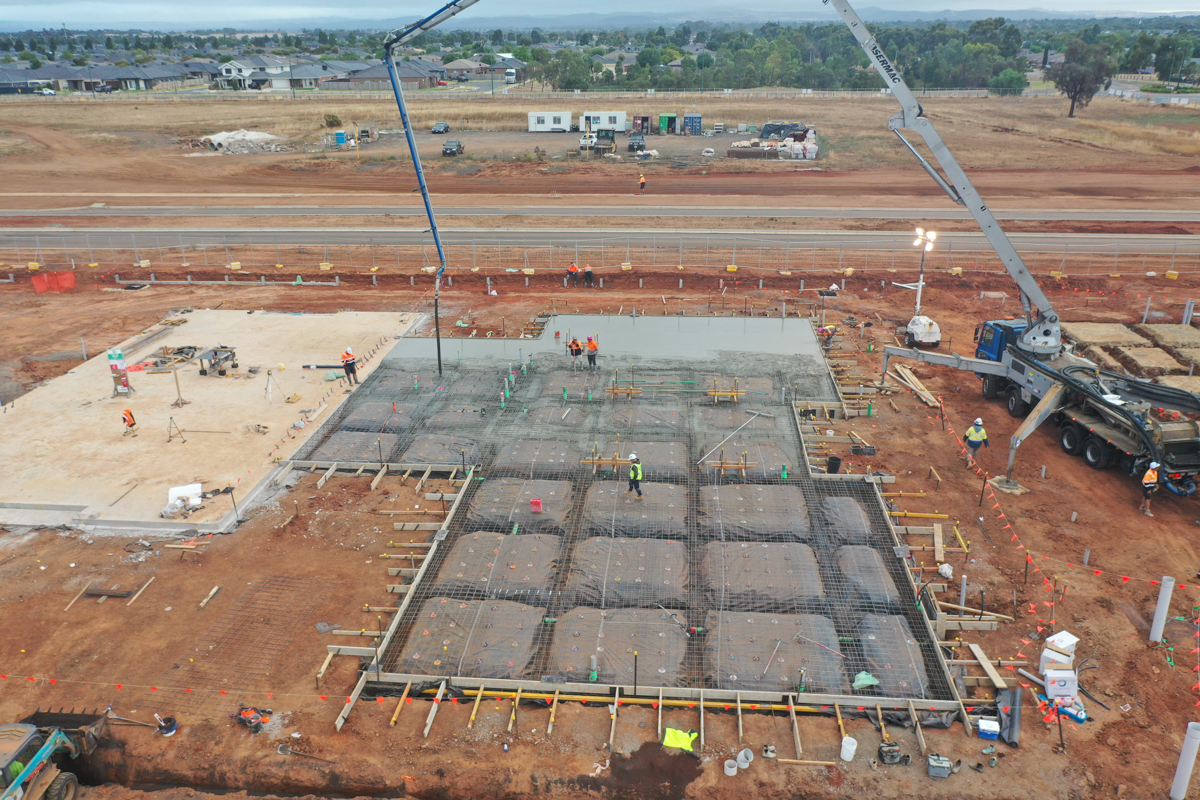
(564, 393)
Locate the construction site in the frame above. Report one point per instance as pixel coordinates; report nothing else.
(752, 488)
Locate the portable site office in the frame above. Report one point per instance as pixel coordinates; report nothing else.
(603, 121)
(549, 121)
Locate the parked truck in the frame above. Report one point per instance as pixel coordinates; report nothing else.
(32, 750)
(1108, 418)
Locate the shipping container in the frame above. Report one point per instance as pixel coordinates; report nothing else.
(691, 124)
(667, 123)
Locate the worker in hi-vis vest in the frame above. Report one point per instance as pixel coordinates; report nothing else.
(635, 476)
(1149, 486)
(976, 438)
(350, 365)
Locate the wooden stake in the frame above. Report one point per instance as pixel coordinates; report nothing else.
(939, 551)
(738, 698)
(400, 705)
(437, 701)
(795, 726)
(512, 718)
(807, 763)
(612, 733)
(912, 711)
(553, 712)
(139, 591)
(944, 604)
(841, 725)
(475, 708)
(81, 591)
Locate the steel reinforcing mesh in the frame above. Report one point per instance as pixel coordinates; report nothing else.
(792, 582)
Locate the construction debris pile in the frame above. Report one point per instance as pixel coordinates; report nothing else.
(778, 141)
(237, 143)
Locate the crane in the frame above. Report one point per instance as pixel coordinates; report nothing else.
(394, 40)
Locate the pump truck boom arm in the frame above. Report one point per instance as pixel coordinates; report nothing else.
(406, 34)
(1042, 334)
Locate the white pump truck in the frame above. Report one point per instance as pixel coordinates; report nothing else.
(1108, 418)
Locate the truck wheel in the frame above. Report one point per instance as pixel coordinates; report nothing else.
(909, 341)
(1071, 439)
(63, 787)
(1097, 453)
(991, 386)
(1016, 406)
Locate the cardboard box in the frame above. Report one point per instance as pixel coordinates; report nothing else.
(1052, 659)
(1063, 641)
(1061, 683)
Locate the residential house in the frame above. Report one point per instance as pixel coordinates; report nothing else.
(412, 74)
(251, 71)
(464, 66)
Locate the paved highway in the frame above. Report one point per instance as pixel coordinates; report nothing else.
(617, 211)
(149, 239)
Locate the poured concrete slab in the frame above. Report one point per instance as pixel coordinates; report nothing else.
(1150, 359)
(1174, 335)
(1103, 333)
(64, 455)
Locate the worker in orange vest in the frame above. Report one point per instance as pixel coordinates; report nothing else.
(573, 272)
(348, 364)
(593, 347)
(130, 423)
(1149, 486)
(576, 350)
(587, 276)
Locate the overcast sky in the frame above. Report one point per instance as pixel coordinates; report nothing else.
(21, 14)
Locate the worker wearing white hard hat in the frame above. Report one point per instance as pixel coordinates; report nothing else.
(976, 437)
(635, 476)
(349, 365)
(1149, 487)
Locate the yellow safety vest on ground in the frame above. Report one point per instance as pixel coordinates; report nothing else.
(673, 737)
(1150, 478)
(976, 434)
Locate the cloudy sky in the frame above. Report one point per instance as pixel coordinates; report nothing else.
(21, 14)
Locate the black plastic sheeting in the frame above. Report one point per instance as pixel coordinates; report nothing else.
(783, 130)
(761, 576)
(538, 458)
(379, 418)
(753, 513)
(892, 656)
(612, 635)
(497, 565)
(437, 448)
(628, 573)
(500, 503)
(661, 513)
(738, 649)
(471, 639)
(843, 520)
(868, 584)
(349, 446)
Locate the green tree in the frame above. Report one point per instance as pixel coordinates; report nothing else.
(1170, 55)
(80, 61)
(1008, 82)
(1083, 73)
(488, 59)
(497, 37)
(1140, 53)
(649, 57)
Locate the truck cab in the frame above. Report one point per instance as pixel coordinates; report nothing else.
(993, 337)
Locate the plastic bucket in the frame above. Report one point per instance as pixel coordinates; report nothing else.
(744, 758)
(849, 746)
(833, 465)
(731, 767)
(535, 505)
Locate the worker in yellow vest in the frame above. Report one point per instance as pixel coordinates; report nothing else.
(1149, 486)
(976, 438)
(635, 476)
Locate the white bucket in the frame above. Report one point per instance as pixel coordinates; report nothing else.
(849, 746)
(744, 758)
(731, 767)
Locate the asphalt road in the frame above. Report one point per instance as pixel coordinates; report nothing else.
(612, 211)
(1186, 247)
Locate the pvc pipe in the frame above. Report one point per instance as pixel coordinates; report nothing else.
(1163, 607)
(1187, 760)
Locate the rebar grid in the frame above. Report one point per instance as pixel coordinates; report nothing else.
(527, 594)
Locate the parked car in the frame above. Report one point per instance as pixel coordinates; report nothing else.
(442, 83)
(453, 148)
(637, 142)
(46, 90)
(462, 78)
(441, 127)
(105, 89)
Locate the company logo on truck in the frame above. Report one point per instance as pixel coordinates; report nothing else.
(884, 63)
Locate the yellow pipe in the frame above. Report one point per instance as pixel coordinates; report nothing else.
(918, 514)
(961, 541)
(638, 701)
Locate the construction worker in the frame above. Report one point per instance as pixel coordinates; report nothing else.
(976, 437)
(1149, 487)
(348, 364)
(641, 184)
(587, 276)
(592, 349)
(130, 423)
(576, 350)
(573, 272)
(635, 476)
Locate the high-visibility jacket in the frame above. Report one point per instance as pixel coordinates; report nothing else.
(976, 434)
(347, 359)
(575, 347)
(127, 418)
(592, 346)
(635, 472)
(673, 737)
(1150, 478)
(572, 269)
(587, 269)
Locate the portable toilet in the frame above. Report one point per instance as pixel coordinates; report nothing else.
(691, 124)
(666, 123)
(642, 124)
(340, 137)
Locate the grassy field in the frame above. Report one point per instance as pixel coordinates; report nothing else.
(1008, 132)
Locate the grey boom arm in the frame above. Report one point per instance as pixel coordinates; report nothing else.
(1043, 335)
(409, 32)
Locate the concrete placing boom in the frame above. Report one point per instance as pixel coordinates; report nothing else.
(1042, 335)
